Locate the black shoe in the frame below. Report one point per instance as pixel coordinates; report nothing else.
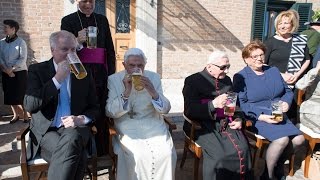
(26, 120)
(13, 120)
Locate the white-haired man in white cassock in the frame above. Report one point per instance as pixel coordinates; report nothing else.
(144, 145)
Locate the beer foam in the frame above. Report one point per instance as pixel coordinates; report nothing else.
(137, 74)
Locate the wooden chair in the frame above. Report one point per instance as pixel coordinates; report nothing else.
(312, 137)
(40, 166)
(113, 132)
(259, 144)
(191, 146)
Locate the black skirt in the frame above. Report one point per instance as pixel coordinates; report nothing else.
(14, 88)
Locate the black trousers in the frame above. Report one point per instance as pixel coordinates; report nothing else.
(65, 149)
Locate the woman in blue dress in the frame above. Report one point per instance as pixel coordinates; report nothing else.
(257, 86)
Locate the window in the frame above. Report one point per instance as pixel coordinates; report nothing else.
(123, 16)
(100, 7)
(265, 12)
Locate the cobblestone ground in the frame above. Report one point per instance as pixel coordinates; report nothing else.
(10, 169)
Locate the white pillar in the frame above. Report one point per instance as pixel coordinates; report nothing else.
(70, 6)
(146, 31)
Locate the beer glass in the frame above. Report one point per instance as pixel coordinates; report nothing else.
(231, 103)
(76, 66)
(277, 110)
(136, 79)
(92, 37)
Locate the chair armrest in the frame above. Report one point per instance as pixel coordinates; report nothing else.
(300, 97)
(21, 136)
(22, 133)
(171, 124)
(248, 125)
(112, 132)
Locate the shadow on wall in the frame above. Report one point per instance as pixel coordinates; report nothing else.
(15, 13)
(186, 24)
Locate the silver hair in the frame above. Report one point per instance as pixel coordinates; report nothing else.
(54, 37)
(134, 52)
(216, 56)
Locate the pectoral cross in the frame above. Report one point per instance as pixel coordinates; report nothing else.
(131, 113)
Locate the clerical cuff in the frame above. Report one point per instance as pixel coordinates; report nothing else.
(157, 102)
(125, 104)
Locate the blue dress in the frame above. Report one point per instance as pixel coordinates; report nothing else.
(256, 92)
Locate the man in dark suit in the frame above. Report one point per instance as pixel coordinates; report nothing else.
(100, 60)
(62, 108)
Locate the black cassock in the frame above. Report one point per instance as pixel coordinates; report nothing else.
(74, 23)
(226, 154)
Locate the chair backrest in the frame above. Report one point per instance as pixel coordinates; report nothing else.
(194, 126)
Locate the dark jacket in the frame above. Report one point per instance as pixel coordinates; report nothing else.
(41, 100)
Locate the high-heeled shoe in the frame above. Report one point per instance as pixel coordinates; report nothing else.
(15, 119)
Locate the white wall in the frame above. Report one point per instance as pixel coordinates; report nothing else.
(69, 7)
(146, 31)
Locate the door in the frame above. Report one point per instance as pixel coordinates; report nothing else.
(122, 18)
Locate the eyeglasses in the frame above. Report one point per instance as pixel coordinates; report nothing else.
(255, 57)
(223, 67)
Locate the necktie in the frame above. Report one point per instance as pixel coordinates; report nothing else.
(63, 105)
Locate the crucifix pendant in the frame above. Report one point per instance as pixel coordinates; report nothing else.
(131, 114)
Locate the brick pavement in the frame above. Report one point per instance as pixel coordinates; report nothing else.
(10, 169)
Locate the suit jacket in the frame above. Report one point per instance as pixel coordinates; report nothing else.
(72, 24)
(41, 100)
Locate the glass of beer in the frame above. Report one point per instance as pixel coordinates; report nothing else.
(231, 103)
(277, 110)
(76, 66)
(136, 79)
(92, 37)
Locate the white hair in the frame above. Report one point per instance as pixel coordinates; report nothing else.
(216, 56)
(134, 52)
(63, 34)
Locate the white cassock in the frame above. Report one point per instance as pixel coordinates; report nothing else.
(144, 145)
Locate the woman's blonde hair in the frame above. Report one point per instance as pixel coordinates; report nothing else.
(293, 18)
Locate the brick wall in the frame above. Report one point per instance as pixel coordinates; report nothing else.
(37, 19)
(189, 30)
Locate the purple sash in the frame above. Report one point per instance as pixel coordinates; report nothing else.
(219, 111)
(96, 56)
